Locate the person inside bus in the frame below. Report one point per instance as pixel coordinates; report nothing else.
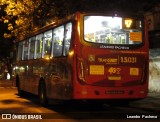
(57, 47)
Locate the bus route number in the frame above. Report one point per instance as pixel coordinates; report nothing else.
(128, 59)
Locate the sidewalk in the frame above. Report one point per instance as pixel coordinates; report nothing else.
(154, 94)
(7, 83)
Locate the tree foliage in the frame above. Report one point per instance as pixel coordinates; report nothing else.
(19, 15)
(23, 16)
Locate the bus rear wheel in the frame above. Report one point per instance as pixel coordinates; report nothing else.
(20, 92)
(42, 95)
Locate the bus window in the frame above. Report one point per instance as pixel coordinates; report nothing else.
(32, 47)
(39, 40)
(25, 50)
(67, 38)
(20, 51)
(47, 39)
(112, 30)
(58, 35)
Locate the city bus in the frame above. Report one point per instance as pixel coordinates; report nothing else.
(85, 57)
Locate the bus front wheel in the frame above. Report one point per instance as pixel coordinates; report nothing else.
(42, 94)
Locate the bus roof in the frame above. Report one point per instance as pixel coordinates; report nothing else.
(46, 27)
(72, 17)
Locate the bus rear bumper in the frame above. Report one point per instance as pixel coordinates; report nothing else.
(101, 93)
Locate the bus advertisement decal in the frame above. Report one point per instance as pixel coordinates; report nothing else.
(134, 71)
(114, 78)
(136, 36)
(96, 70)
(108, 60)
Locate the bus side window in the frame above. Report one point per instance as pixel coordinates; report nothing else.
(25, 50)
(47, 39)
(20, 51)
(67, 38)
(58, 41)
(39, 44)
(32, 48)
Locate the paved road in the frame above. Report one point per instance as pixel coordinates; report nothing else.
(11, 103)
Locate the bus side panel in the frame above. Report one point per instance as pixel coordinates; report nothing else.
(22, 73)
(29, 75)
(58, 81)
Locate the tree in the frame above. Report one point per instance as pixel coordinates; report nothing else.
(21, 11)
(5, 54)
(18, 18)
(24, 16)
(5, 43)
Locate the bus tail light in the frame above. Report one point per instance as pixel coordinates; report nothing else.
(80, 71)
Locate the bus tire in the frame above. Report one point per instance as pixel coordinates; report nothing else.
(20, 92)
(42, 94)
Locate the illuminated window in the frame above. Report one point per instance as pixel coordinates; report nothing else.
(67, 39)
(112, 30)
(32, 47)
(47, 40)
(20, 51)
(58, 36)
(39, 44)
(25, 49)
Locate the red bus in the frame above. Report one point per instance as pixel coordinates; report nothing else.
(85, 56)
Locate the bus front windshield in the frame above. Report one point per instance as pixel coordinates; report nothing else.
(112, 30)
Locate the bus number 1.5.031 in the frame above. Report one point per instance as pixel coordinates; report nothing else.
(128, 59)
